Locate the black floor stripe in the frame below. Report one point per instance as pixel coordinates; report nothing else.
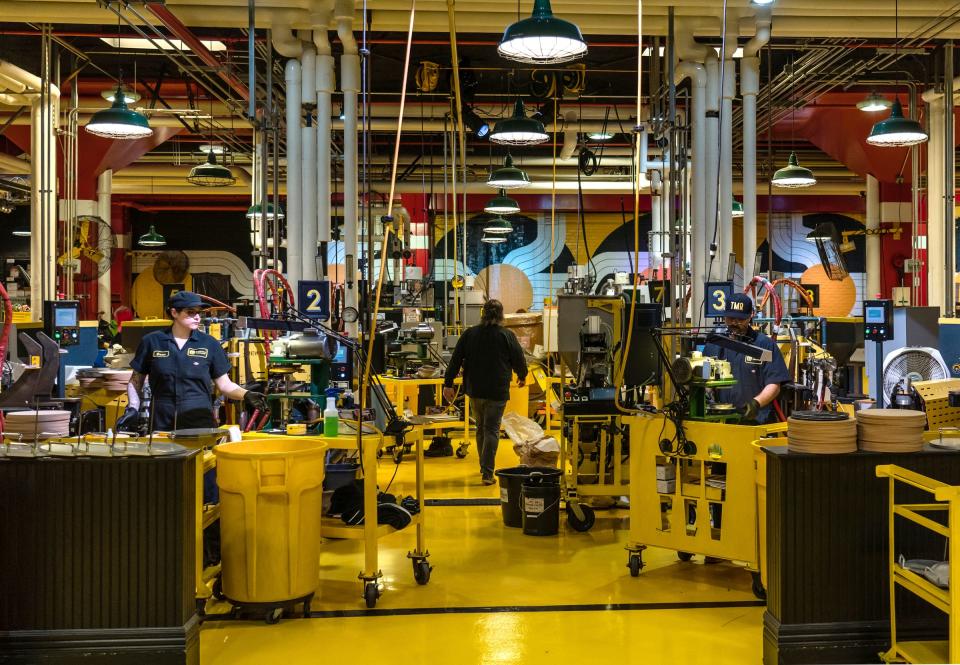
(494, 609)
(462, 502)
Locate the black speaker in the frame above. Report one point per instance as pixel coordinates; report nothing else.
(643, 360)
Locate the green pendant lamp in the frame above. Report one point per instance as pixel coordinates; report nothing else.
(502, 205)
(498, 226)
(211, 174)
(254, 212)
(508, 176)
(119, 122)
(736, 210)
(896, 131)
(874, 103)
(793, 176)
(519, 129)
(542, 39)
(151, 239)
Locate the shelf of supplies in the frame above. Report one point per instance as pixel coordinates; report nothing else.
(332, 527)
(930, 592)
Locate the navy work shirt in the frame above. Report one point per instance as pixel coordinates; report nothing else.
(181, 380)
(752, 376)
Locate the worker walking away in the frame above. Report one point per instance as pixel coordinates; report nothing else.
(758, 383)
(488, 354)
(183, 364)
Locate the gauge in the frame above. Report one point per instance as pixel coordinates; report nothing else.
(457, 282)
(350, 314)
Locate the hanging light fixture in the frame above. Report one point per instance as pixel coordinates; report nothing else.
(151, 239)
(493, 239)
(129, 96)
(874, 103)
(600, 136)
(211, 174)
(254, 212)
(519, 129)
(119, 122)
(502, 205)
(474, 122)
(508, 176)
(895, 131)
(793, 176)
(498, 226)
(21, 232)
(542, 39)
(737, 209)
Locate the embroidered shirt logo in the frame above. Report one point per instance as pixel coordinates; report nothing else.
(197, 353)
(161, 354)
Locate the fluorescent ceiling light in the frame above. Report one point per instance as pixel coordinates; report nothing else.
(164, 45)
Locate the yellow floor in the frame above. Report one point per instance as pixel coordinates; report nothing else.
(498, 596)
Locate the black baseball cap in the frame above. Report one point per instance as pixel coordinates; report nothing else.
(184, 300)
(739, 306)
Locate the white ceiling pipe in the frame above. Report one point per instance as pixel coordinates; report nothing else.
(11, 84)
(308, 216)
(21, 77)
(656, 218)
(294, 210)
(104, 200)
(712, 164)
(350, 85)
(570, 136)
(693, 55)
(728, 92)
(326, 84)
(285, 41)
(749, 89)
(12, 166)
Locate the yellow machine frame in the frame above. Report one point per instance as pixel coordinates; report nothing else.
(948, 499)
(685, 519)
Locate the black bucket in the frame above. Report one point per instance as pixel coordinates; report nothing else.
(540, 500)
(338, 475)
(511, 480)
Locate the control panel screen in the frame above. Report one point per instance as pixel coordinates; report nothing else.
(874, 315)
(65, 317)
(341, 355)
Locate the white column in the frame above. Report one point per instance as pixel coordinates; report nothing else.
(873, 241)
(104, 202)
(294, 173)
(936, 233)
(711, 166)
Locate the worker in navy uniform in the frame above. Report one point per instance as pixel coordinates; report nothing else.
(758, 384)
(183, 364)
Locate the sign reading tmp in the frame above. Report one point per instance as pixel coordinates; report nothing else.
(314, 298)
(716, 297)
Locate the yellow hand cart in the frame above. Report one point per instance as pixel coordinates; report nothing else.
(700, 498)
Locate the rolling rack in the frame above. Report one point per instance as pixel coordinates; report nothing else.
(367, 443)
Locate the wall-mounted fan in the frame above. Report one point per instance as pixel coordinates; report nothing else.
(171, 267)
(92, 248)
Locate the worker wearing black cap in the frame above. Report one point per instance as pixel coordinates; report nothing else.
(182, 364)
(758, 384)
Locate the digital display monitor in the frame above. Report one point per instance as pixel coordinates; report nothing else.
(65, 317)
(341, 355)
(874, 315)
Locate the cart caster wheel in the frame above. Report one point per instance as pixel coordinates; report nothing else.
(684, 556)
(757, 587)
(582, 521)
(217, 589)
(370, 594)
(306, 609)
(201, 607)
(461, 452)
(273, 616)
(397, 455)
(635, 564)
(421, 571)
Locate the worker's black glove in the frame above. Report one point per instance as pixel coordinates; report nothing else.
(255, 401)
(129, 421)
(751, 410)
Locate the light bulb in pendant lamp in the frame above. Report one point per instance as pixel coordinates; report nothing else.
(542, 39)
(793, 176)
(518, 129)
(508, 176)
(493, 239)
(896, 131)
(119, 122)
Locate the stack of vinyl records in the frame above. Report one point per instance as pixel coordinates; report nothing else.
(891, 430)
(821, 433)
(30, 425)
(108, 379)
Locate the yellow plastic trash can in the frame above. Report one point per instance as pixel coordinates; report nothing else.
(271, 503)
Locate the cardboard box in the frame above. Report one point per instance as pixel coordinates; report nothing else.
(666, 486)
(666, 471)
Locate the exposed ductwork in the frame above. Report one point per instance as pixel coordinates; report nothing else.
(570, 135)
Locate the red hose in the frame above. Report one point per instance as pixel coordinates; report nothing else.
(776, 407)
(218, 304)
(751, 288)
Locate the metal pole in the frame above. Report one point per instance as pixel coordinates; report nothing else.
(949, 225)
(251, 60)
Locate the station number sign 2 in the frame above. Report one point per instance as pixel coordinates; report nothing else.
(313, 297)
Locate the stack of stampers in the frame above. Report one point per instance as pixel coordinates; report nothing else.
(30, 425)
(891, 430)
(821, 433)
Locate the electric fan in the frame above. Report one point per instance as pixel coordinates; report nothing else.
(903, 367)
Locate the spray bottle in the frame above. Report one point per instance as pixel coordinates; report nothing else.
(331, 417)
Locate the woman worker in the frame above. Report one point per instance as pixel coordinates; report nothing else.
(183, 364)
